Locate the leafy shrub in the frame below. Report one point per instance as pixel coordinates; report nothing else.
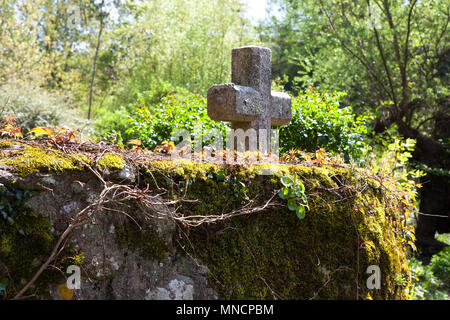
(432, 281)
(113, 120)
(155, 123)
(440, 265)
(319, 121)
(33, 107)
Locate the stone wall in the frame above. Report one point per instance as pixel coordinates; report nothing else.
(127, 253)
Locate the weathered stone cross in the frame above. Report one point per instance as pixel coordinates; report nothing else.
(248, 102)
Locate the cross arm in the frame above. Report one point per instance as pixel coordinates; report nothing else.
(230, 102)
(281, 111)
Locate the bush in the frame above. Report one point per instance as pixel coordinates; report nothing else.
(113, 121)
(432, 281)
(319, 121)
(33, 106)
(440, 265)
(155, 123)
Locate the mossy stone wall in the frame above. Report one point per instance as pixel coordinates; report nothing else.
(351, 223)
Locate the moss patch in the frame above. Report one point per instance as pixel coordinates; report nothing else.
(34, 160)
(273, 254)
(144, 241)
(25, 244)
(351, 224)
(111, 160)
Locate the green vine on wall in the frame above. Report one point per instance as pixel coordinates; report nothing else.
(10, 200)
(294, 192)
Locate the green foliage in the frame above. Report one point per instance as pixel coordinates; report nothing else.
(12, 199)
(432, 281)
(392, 158)
(113, 125)
(440, 265)
(184, 43)
(319, 121)
(376, 51)
(294, 192)
(33, 106)
(155, 123)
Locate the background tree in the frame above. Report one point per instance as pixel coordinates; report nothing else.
(393, 57)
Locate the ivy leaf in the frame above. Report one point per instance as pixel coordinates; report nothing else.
(301, 187)
(286, 181)
(300, 212)
(284, 193)
(244, 190)
(292, 205)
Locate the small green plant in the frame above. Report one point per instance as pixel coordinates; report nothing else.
(10, 200)
(293, 191)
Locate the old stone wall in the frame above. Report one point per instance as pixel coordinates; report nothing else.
(146, 228)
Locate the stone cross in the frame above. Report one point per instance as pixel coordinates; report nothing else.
(248, 101)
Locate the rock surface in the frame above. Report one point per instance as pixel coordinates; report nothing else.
(109, 270)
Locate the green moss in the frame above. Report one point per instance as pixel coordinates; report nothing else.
(34, 160)
(111, 160)
(145, 241)
(25, 244)
(266, 255)
(273, 254)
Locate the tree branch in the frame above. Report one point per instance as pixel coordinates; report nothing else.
(362, 59)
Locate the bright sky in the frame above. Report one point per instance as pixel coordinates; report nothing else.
(256, 9)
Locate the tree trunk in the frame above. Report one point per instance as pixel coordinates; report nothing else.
(434, 195)
(94, 68)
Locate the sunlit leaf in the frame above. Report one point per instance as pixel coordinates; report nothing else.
(300, 212)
